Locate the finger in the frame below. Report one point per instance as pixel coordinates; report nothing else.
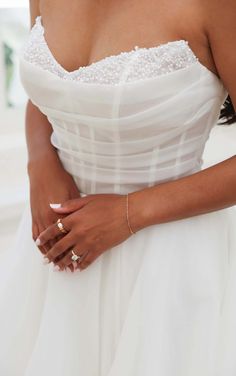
(71, 205)
(69, 268)
(51, 243)
(50, 233)
(60, 247)
(89, 258)
(67, 260)
(35, 233)
(45, 247)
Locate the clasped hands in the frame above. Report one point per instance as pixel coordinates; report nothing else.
(94, 224)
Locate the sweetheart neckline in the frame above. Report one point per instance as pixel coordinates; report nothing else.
(38, 21)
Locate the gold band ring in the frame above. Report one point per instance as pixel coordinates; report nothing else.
(61, 226)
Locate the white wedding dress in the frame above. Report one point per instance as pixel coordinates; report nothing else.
(163, 302)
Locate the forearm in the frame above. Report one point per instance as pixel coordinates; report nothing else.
(38, 132)
(208, 190)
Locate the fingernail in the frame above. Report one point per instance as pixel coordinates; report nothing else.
(56, 268)
(46, 260)
(68, 269)
(55, 206)
(37, 241)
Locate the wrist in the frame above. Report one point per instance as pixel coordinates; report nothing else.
(139, 210)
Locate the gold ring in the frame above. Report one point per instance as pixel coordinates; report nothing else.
(61, 227)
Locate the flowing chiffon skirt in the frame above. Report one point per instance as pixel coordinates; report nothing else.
(161, 303)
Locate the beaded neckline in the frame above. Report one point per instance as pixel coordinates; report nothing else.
(179, 41)
(133, 65)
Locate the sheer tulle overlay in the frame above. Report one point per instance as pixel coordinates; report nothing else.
(164, 301)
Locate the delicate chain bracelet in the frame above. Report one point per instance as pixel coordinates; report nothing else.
(127, 214)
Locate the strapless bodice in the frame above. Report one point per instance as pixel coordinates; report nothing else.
(128, 121)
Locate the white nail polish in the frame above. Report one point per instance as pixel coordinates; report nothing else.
(37, 242)
(56, 268)
(46, 260)
(55, 206)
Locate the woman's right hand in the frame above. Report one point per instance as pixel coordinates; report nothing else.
(49, 183)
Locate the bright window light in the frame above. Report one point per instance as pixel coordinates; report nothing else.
(14, 3)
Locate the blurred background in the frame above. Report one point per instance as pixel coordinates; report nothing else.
(14, 29)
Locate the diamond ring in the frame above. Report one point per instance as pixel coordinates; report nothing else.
(75, 257)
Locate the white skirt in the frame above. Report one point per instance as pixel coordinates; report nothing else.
(161, 303)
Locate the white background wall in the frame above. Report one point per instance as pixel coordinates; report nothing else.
(13, 156)
(14, 3)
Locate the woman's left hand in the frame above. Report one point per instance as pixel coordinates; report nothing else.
(95, 223)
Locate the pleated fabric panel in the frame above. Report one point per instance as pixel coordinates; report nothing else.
(120, 138)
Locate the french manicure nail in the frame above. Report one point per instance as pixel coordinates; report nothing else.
(55, 206)
(56, 268)
(46, 260)
(37, 241)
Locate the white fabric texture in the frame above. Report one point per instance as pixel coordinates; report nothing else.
(164, 301)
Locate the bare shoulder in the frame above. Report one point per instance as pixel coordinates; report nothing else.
(220, 15)
(220, 8)
(34, 10)
(220, 20)
(220, 24)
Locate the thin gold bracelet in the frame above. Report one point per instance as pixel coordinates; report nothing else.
(127, 214)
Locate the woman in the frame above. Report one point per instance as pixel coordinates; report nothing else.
(122, 98)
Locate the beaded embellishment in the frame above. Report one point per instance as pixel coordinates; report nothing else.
(134, 65)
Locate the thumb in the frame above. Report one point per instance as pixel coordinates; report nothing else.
(70, 205)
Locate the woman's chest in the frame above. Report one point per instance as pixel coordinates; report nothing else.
(96, 29)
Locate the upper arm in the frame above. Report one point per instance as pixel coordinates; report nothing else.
(34, 10)
(221, 31)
